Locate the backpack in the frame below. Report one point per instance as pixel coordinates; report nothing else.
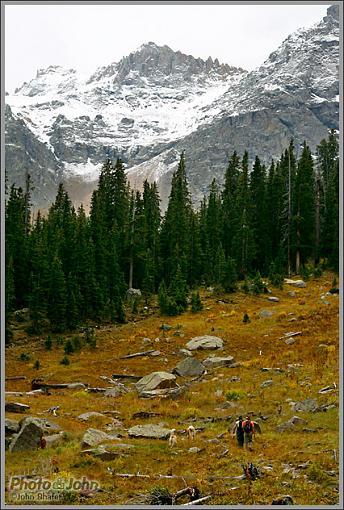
(247, 426)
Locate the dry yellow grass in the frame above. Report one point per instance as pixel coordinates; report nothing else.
(319, 367)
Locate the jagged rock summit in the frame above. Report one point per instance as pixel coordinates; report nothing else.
(156, 102)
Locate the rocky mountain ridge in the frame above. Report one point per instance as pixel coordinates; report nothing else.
(156, 102)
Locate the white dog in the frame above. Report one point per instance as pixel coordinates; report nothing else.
(172, 441)
(191, 432)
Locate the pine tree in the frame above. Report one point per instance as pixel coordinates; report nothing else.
(228, 202)
(304, 218)
(258, 198)
(243, 250)
(57, 297)
(175, 233)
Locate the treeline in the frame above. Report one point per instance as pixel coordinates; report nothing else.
(69, 267)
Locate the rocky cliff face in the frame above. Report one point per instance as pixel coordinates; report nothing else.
(156, 102)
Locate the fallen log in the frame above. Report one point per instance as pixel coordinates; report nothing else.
(136, 354)
(127, 376)
(197, 501)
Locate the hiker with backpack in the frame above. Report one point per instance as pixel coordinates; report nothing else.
(239, 432)
(248, 428)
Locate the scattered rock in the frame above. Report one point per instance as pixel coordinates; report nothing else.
(28, 438)
(91, 414)
(290, 424)
(296, 283)
(93, 437)
(114, 392)
(165, 392)
(308, 405)
(47, 427)
(54, 439)
(265, 313)
(328, 389)
(291, 293)
(13, 393)
(289, 341)
(309, 430)
(195, 449)
(283, 500)
(101, 452)
(189, 367)
(290, 334)
(185, 352)
(16, 407)
(150, 431)
(205, 342)
(324, 408)
(214, 362)
(154, 381)
(235, 378)
(11, 426)
(146, 341)
(274, 299)
(267, 383)
(269, 369)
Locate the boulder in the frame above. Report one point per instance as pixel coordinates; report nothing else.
(164, 393)
(101, 452)
(16, 407)
(296, 283)
(11, 426)
(114, 392)
(90, 415)
(156, 380)
(274, 299)
(205, 342)
(283, 500)
(194, 449)
(189, 367)
(93, 437)
(214, 362)
(150, 431)
(47, 427)
(308, 405)
(185, 352)
(267, 383)
(265, 313)
(54, 440)
(290, 424)
(27, 439)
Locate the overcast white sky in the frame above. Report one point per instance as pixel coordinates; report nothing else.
(85, 37)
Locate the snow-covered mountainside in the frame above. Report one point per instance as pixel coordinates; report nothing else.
(156, 102)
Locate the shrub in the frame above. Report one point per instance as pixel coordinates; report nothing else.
(234, 395)
(90, 337)
(48, 343)
(245, 287)
(24, 356)
(69, 347)
(257, 284)
(65, 361)
(37, 365)
(76, 343)
(246, 318)
(196, 303)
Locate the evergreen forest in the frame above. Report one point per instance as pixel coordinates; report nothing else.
(69, 267)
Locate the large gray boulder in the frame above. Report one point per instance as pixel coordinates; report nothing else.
(101, 452)
(296, 283)
(54, 440)
(93, 437)
(205, 342)
(11, 427)
(90, 415)
(156, 380)
(46, 426)
(308, 405)
(150, 431)
(189, 367)
(28, 438)
(215, 361)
